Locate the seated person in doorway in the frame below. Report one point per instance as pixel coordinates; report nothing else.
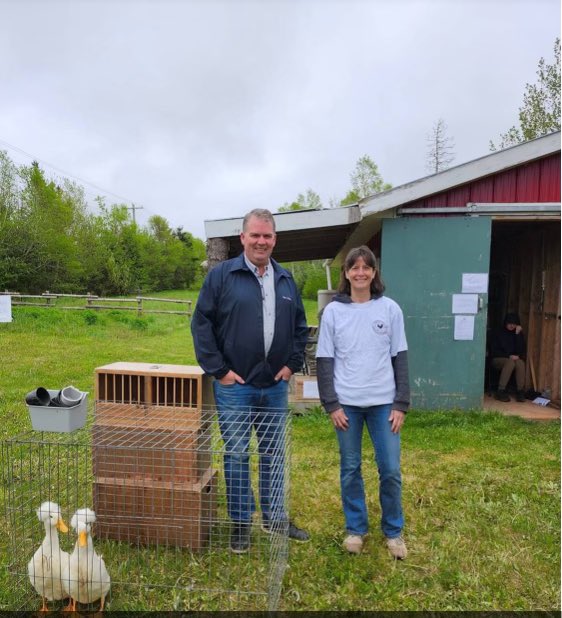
(508, 347)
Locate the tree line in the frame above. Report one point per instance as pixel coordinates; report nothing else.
(49, 238)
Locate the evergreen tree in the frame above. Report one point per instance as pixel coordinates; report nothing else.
(440, 148)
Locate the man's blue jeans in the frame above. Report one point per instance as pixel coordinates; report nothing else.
(387, 456)
(241, 407)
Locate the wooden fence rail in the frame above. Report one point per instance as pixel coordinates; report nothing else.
(48, 300)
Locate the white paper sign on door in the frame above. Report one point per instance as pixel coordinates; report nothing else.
(464, 327)
(475, 283)
(465, 303)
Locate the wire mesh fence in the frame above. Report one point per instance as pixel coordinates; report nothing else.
(163, 484)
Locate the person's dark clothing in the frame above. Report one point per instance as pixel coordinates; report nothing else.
(506, 343)
(227, 324)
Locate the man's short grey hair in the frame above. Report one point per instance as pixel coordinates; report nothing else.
(259, 213)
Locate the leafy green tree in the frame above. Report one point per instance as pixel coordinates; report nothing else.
(12, 237)
(120, 274)
(316, 279)
(48, 214)
(365, 180)
(540, 112)
(50, 240)
(196, 255)
(305, 201)
(94, 251)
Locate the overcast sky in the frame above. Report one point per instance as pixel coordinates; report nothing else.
(204, 109)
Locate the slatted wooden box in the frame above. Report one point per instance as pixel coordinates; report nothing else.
(156, 513)
(184, 386)
(144, 442)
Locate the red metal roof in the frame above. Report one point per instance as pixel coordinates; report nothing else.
(537, 181)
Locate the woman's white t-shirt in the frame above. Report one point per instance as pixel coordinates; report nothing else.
(362, 338)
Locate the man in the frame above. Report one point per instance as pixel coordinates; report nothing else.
(508, 348)
(249, 330)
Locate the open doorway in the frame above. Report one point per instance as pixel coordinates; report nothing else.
(525, 278)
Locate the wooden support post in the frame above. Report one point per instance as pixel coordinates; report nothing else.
(217, 251)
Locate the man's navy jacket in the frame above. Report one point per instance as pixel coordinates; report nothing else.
(227, 324)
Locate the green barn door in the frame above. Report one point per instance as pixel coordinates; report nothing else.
(422, 262)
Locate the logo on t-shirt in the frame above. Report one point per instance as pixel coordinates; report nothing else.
(379, 327)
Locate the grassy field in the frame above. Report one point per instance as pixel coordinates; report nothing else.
(481, 491)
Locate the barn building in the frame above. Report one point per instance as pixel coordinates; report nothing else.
(458, 250)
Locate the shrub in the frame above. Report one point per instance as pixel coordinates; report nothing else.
(90, 317)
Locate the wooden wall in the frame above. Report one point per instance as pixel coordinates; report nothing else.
(525, 277)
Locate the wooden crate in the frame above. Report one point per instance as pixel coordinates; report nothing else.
(155, 512)
(154, 384)
(303, 389)
(162, 444)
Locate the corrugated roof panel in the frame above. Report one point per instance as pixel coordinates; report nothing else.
(439, 199)
(458, 196)
(550, 179)
(482, 190)
(527, 183)
(504, 186)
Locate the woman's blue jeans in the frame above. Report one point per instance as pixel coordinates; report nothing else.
(241, 407)
(387, 457)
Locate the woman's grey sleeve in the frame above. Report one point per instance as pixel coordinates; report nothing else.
(402, 380)
(325, 377)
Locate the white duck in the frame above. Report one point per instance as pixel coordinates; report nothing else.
(49, 562)
(86, 579)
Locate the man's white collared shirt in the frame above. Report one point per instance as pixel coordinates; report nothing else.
(267, 286)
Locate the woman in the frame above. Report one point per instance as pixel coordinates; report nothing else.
(362, 371)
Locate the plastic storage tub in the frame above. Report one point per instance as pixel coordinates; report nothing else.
(53, 418)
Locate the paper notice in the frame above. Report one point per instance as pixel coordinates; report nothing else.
(310, 390)
(476, 283)
(5, 308)
(464, 327)
(465, 303)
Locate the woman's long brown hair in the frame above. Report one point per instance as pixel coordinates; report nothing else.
(377, 285)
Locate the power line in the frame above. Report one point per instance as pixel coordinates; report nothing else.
(61, 171)
(133, 207)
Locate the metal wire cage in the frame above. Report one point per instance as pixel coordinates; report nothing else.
(155, 477)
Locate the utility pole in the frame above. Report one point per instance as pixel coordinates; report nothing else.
(134, 208)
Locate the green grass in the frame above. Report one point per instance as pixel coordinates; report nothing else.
(481, 491)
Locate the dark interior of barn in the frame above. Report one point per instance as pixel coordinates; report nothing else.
(525, 278)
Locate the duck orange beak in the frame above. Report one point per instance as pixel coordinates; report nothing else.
(83, 539)
(62, 526)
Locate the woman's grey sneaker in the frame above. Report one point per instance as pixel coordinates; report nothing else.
(397, 548)
(240, 537)
(293, 532)
(353, 543)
